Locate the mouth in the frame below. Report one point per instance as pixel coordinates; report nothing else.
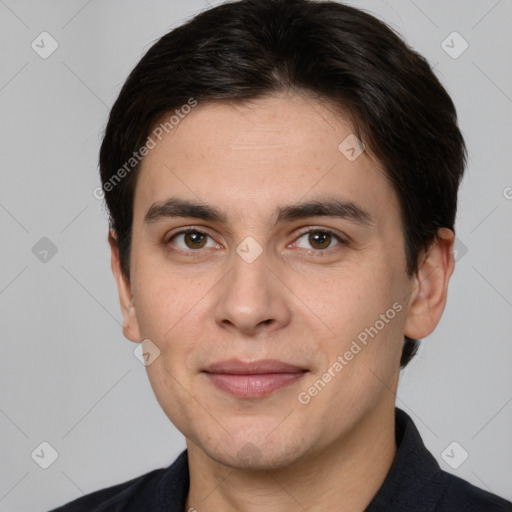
(253, 379)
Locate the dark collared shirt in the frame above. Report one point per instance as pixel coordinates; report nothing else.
(415, 483)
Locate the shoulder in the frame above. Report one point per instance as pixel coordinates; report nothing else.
(109, 496)
(417, 482)
(461, 495)
(143, 490)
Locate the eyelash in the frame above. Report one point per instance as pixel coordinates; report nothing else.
(193, 229)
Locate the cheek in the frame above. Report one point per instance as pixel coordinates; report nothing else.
(163, 305)
(350, 300)
(365, 313)
(361, 360)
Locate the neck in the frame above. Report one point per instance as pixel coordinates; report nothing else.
(349, 472)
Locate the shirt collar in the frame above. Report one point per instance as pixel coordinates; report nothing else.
(414, 480)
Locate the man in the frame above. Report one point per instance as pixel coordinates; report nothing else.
(282, 177)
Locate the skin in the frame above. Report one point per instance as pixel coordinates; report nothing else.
(299, 301)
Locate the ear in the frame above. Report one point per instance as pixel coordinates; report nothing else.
(428, 298)
(130, 324)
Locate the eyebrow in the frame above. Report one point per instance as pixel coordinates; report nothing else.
(328, 207)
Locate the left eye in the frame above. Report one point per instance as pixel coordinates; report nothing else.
(319, 239)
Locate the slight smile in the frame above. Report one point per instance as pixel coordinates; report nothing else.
(254, 379)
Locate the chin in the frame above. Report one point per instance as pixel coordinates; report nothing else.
(256, 455)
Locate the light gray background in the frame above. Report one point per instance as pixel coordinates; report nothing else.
(67, 374)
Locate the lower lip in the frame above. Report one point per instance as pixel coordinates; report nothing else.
(253, 386)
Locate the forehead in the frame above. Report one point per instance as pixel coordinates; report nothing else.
(249, 157)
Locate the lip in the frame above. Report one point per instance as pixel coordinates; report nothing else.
(254, 379)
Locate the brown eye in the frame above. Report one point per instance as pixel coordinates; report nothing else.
(318, 240)
(194, 240)
(190, 239)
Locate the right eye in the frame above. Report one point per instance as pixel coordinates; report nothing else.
(190, 239)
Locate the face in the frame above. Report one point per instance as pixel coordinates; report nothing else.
(258, 309)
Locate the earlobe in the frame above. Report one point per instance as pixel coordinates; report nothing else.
(428, 299)
(130, 324)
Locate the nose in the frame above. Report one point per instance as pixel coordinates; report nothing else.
(252, 299)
